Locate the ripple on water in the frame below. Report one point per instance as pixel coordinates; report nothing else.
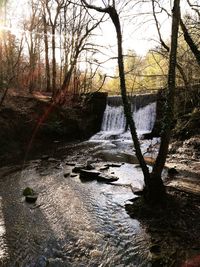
(82, 224)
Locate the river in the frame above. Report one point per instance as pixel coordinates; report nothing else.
(75, 223)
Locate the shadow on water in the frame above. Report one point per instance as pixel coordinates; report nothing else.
(72, 224)
(28, 238)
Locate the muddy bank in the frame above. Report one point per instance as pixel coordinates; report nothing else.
(29, 122)
(174, 228)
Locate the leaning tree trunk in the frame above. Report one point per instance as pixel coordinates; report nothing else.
(127, 107)
(154, 188)
(149, 180)
(169, 111)
(154, 191)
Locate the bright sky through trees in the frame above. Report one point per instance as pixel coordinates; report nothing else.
(139, 31)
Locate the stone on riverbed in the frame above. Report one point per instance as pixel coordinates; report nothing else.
(107, 178)
(70, 163)
(31, 199)
(30, 195)
(89, 174)
(28, 191)
(104, 168)
(53, 160)
(117, 165)
(73, 175)
(67, 174)
(79, 167)
(96, 175)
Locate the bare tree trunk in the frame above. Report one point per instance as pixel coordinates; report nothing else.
(169, 113)
(53, 61)
(53, 16)
(127, 107)
(154, 189)
(166, 47)
(47, 67)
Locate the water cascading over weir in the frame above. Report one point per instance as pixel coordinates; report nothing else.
(114, 122)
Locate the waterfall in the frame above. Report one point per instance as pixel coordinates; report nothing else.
(145, 118)
(113, 119)
(114, 122)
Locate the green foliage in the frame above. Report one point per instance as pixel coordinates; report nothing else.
(2, 3)
(155, 70)
(142, 73)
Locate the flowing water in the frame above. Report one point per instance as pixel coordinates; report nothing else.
(74, 223)
(114, 122)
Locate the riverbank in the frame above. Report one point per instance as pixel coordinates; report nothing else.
(30, 123)
(84, 223)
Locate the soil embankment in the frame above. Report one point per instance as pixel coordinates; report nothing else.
(31, 122)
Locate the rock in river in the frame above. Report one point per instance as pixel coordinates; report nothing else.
(28, 191)
(89, 174)
(31, 199)
(79, 167)
(116, 165)
(106, 178)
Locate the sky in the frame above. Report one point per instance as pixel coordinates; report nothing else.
(138, 27)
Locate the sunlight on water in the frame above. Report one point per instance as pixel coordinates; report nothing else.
(3, 248)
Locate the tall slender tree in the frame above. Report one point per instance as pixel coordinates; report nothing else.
(46, 45)
(154, 190)
(54, 10)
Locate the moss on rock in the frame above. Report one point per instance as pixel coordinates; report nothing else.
(28, 191)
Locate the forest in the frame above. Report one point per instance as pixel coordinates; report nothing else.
(99, 133)
(39, 48)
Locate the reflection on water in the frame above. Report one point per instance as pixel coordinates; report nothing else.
(3, 248)
(73, 223)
